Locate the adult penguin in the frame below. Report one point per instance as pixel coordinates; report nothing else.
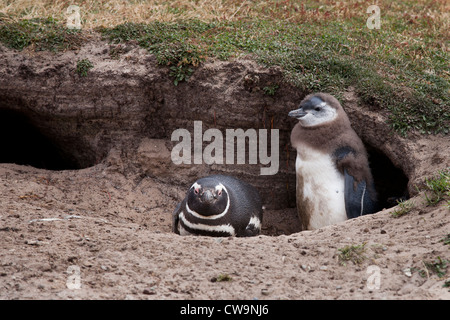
(334, 181)
(221, 206)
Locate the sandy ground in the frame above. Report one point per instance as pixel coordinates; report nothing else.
(104, 232)
(96, 234)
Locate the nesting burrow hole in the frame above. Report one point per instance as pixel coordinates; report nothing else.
(27, 141)
(76, 125)
(391, 183)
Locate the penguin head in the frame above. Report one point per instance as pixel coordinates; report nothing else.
(316, 109)
(208, 197)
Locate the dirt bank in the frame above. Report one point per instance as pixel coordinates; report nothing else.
(105, 219)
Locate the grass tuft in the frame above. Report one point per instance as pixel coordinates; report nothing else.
(446, 239)
(438, 188)
(172, 44)
(353, 253)
(437, 266)
(83, 66)
(403, 207)
(222, 278)
(271, 90)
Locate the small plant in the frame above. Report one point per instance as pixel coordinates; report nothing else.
(446, 284)
(181, 58)
(446, 239)
(437, 188)
(271, 90)
(83, 67)
(180, 73)
(222, 278)
(173, 44)
(438, 267)
(353, 253)
(403, 207)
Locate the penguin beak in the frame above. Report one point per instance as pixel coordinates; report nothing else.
(299, 113)
(208, 196)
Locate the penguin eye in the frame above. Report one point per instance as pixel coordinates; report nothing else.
(196, 190)
(219, 193)
(317, 108)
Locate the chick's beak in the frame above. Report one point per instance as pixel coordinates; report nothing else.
(299, 113)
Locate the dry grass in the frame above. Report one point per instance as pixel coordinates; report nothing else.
(424, 19)
(112, 13)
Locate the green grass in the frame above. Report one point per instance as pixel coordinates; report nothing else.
(222, 278)
(41, 34)
(314, 58)
(446, 284)
(437, 266)
(405, 79)
(271, 90)
(446, 239)
(403, 207)
(353, 253)
(83, 67)
(438, 188)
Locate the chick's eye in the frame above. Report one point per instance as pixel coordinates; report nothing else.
(317, 109)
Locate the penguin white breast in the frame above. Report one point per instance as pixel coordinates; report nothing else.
(323, 187)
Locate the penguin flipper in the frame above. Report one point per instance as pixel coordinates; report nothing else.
(358, 201)
(251, 231)
(253, 228)
(176, 219)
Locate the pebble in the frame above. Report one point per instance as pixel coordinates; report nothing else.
(149, 290)
(33, 242)
(407, 272)
(46, 267)
(305, 267)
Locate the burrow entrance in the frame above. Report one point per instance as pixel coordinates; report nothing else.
(23, 143)
(391, 183)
